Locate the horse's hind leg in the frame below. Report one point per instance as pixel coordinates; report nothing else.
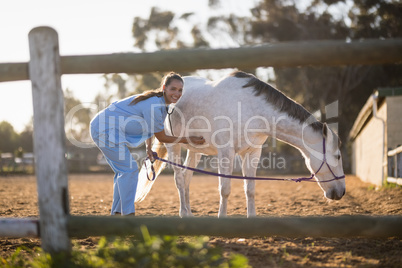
(226, 159)
(192, 161)
(249, 169)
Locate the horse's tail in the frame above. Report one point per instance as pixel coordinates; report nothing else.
(144, 184)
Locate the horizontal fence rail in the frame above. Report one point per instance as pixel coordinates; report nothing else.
(17, 227)
(395, 151)
(290, 54)
(290, 226)
(340, 226)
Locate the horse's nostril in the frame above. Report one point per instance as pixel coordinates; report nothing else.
(336, 196)
(333, 195)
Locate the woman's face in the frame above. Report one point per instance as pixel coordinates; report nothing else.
(173, 91)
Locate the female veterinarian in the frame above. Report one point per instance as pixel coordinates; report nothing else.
(128, 123)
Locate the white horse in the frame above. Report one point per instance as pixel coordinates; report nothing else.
(235, 115)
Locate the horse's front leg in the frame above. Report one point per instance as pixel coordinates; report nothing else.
(174, 153)
(249, 169)
(192, 161)
(249, 188)
(226, 159)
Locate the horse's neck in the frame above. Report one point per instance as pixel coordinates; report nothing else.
(293, 132)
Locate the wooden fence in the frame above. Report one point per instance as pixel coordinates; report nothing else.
(290, 226)
(291, 54)
(45, 69)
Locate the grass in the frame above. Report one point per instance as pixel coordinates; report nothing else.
(385, 186)
(149, 251)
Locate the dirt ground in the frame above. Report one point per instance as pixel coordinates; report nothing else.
(92, 195)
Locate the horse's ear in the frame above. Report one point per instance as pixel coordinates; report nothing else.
(325, 130)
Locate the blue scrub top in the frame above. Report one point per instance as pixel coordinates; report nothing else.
(132, 124)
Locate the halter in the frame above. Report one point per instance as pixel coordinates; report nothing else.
(170, 121)
(308, 179)
(324, 161)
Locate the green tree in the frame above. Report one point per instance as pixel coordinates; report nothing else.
(8, 138)
(156, 27)
(112, 80)
(26, 138)
(77, 117)
(376, 19)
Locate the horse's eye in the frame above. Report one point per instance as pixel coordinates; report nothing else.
(338, 156)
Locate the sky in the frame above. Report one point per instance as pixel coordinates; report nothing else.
(84, 27)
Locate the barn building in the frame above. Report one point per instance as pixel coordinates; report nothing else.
(377, 138)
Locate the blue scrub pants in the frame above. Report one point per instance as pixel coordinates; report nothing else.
(118, 155)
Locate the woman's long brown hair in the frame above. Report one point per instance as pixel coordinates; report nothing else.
(167, 79)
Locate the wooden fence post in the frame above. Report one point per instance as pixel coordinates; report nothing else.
(49, 139)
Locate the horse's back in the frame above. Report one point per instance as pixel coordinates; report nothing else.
(194, 82)
(213, 106)
(214, 92)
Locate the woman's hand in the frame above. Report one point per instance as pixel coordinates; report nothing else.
(148, 146)
(196, 140)
(150, 155)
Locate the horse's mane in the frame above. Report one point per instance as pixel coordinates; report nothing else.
(278, 99)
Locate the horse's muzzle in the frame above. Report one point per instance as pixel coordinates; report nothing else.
(334, 194)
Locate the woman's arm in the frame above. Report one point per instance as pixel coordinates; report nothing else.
(162, 137)
(148, 146)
